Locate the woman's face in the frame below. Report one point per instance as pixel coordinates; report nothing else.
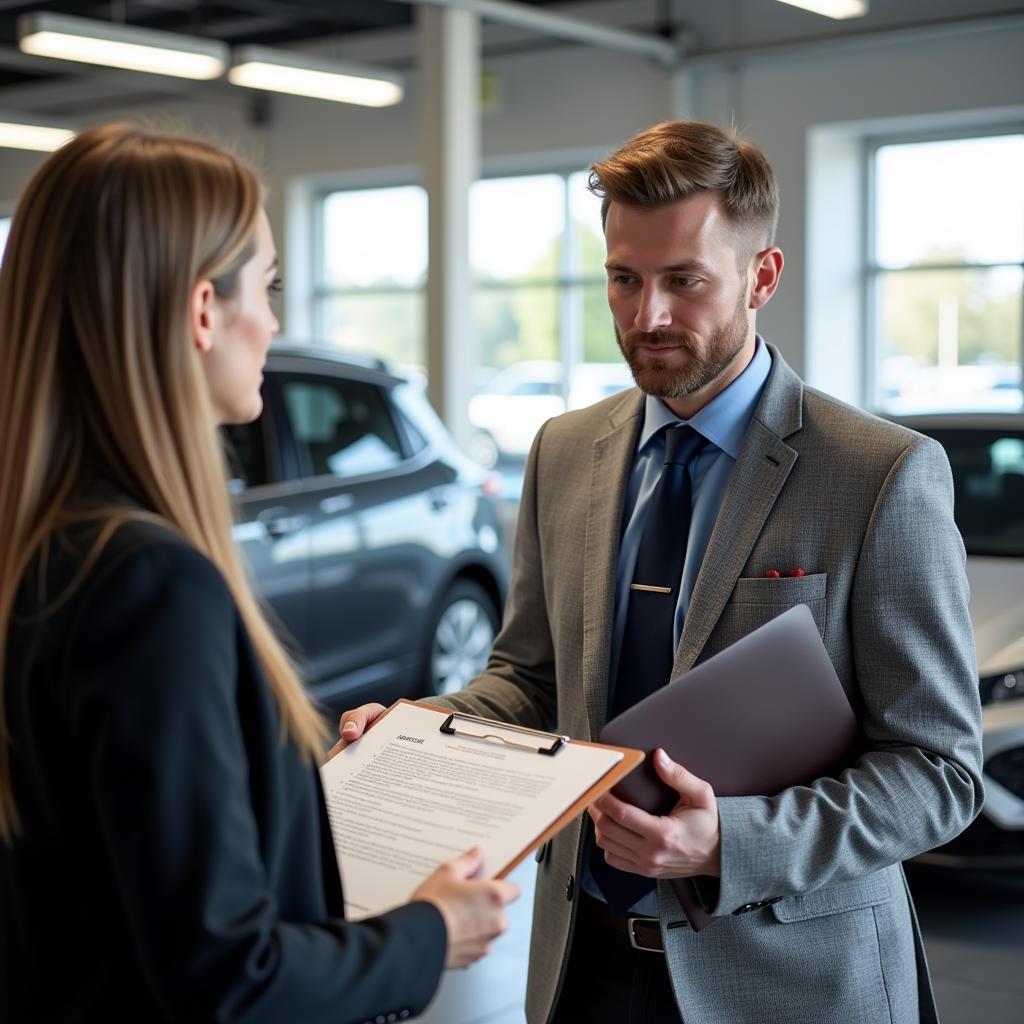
(240, 329)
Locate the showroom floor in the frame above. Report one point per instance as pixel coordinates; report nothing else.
(974, 935)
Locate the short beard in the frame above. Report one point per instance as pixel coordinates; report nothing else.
(659, 378)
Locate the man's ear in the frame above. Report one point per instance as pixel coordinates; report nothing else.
(766, 268)
(202, 315)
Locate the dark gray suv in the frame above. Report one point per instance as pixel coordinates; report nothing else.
(371, 536)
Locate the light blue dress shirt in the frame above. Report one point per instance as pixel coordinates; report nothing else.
(723, 421)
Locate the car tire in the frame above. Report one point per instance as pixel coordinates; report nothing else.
(460, 641)
(484, 449)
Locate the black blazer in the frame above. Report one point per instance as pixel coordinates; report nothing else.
(175, 861)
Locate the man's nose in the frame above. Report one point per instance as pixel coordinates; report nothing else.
(654, 312)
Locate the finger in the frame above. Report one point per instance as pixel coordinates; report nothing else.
(693, 791)
(467, 864)
(618, 848)
(624, 862)
(354, 723)
(610, 831)
(618, 812)
(507, 892)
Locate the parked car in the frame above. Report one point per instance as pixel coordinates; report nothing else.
(370, 535)
(507, 413)
(986, 453)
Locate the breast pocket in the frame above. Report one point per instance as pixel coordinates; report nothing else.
(757, 600)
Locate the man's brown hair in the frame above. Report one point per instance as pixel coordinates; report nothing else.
(677, 159)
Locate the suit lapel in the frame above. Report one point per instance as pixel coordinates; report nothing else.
(764, 464)
(611, 459)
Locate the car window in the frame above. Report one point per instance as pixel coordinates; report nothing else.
(246, 451)
(344, 426)
(988, 484)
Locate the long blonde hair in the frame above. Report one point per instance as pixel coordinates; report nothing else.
(98, 374)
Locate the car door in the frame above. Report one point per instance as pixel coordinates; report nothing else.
(271, 526)
(368, 528)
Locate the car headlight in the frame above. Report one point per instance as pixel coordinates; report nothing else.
(1002, 686)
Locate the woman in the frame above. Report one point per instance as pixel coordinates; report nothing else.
(164, 852)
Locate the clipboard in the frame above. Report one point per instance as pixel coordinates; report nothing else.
(428, 788)
(631, 757)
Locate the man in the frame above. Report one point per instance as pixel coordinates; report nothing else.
(788, 497)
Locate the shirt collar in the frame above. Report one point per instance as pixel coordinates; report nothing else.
(724, 420)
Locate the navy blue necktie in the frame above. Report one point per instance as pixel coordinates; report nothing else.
(646, 654)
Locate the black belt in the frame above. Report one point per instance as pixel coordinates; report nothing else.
(644, 933)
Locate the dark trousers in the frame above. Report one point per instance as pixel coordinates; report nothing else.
(610, 982)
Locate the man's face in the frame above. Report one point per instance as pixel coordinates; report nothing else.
(679, 299)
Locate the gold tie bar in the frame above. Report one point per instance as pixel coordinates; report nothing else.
(652, 590)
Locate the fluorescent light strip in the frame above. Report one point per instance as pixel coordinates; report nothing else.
(259, 67)
(121, 46)
(32, 136)
(832, 8)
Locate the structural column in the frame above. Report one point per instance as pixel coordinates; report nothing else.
(449, 41)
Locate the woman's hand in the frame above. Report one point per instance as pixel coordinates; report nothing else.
(473, 911)
(353, 724)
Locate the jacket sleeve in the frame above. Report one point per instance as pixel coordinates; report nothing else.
(151, 681)
(918, 783)
(519, 682)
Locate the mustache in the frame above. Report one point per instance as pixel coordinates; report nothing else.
(661, 339)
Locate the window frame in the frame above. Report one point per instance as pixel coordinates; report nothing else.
(872, 271)
(569, 286)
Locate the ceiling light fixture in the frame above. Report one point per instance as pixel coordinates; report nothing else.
(17, 133)
(299, 74)
(832, 8)
(121, 46)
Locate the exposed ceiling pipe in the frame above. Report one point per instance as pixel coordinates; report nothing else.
(564, 26)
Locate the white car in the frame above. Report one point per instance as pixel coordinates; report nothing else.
(986, 453)
(515, 404)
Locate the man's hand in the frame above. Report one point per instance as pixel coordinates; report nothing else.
(353, 724)
(682, 843)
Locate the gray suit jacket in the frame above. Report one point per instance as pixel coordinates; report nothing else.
(865, 507)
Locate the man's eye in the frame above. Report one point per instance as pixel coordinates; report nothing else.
(622, 279)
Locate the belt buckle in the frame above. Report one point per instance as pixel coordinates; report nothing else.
(633, 940)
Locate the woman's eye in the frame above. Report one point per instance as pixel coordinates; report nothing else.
(275, 286)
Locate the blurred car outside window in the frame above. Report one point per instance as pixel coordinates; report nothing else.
(945, 279)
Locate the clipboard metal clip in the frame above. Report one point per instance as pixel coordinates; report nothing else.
(458, 724)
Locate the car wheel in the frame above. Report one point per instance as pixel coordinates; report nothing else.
(484, 449)
(464, 629)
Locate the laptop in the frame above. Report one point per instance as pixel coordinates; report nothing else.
(766, 713)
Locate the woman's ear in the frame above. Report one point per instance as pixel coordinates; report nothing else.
(202, 315)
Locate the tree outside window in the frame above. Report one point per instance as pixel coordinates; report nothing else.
(946, 274)
(542, 331)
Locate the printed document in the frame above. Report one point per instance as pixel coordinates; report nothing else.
(406, 796)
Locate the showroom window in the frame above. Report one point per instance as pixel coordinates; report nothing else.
(539, 307)
(946, 273)
(543, 332)
(371, 272)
